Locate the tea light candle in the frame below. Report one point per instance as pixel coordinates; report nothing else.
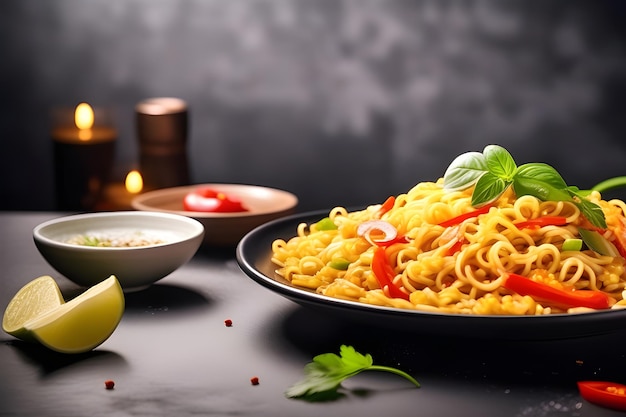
(84, 131)
(120, 196)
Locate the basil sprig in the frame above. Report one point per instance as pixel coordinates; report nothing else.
(494, 170)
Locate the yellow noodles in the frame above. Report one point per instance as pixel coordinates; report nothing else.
(455, 269)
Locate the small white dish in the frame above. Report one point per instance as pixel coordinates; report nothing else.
(169, 241)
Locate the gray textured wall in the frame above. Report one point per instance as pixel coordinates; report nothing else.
(338, 101)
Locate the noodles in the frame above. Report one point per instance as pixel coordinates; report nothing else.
(459, 267)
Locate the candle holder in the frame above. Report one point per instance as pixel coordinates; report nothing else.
(162, 133)
(84, 149)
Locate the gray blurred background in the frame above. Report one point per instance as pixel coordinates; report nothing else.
(338, 101)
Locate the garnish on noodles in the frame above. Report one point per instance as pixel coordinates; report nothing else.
(488, 238)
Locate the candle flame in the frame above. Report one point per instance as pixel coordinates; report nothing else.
(83, 118)
(134, 182)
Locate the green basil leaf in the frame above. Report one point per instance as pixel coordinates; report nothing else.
(573, 190)
(542, 191)
(494, 170)
(543, 173)
(541, 181)
(464, 171)
(592, 212)
(499, 162)
(488, 189)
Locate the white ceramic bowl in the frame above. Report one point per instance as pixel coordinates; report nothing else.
(136, 267)
(223, 229)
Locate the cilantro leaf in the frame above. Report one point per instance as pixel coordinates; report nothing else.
(327, 371)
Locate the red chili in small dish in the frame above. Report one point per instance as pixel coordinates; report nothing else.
(604, 393)
(209, 200)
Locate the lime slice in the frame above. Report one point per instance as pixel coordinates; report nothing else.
(33, 300)
(82, 323)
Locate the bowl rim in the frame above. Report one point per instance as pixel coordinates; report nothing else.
(38, 236)
(139, 202)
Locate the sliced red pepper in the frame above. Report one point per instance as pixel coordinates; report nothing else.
(555, 296)
(542, 221)
(604, 393)
(456, 247)
(397, 239)
(384, 274)
(452, 236)
(459, 219)
(386, 206)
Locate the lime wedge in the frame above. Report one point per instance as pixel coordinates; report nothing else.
(79, 325)
(33, 300)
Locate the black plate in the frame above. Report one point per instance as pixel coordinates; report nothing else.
(254, 258)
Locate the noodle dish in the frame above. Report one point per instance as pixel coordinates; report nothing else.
(487, 238)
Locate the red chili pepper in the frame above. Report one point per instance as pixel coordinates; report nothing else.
(386, 206)
(459, 219)
(555, 296)
(456, 247)
(542, 221)
(209, 200)
(397, 239)
(604, 393)
(384, 274)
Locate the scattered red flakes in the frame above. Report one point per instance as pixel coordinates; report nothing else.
(109, 384)
(254, 380)
(228, 323)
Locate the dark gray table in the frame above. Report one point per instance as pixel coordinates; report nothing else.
(172, 355)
